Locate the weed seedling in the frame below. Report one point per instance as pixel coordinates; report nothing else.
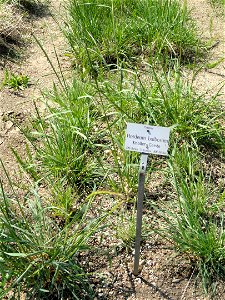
(15, 81)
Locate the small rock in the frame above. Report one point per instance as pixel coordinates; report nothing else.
(15, 130)
(130, 266)
(100, 294)
(175, 280)
(142, 262)
(10, 112)
(8, 125)
(138, 280)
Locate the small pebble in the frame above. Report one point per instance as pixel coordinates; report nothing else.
(175, 280)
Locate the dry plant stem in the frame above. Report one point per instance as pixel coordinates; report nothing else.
(187, 285)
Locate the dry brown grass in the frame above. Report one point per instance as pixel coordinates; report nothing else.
(11, 27)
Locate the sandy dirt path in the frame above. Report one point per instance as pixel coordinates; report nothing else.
(19, 106)
(211, 28)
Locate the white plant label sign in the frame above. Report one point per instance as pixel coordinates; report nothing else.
(147, 139)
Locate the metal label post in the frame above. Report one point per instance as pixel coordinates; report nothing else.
(154, 140)
(141, 181)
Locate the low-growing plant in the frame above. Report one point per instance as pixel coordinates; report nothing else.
(28, 164)
(126, 229)
(188, 160)
(15, 81)
(107, 33)
(83, 135)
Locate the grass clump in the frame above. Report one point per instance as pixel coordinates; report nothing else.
(167, 100)
(68, 140)
(79, 144)
(39, 257)
(195, 222)
(82, 136)
(106, 32)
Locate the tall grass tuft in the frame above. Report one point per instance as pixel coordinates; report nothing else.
(39, 257)
(67, 137)
(81, 139)
(167, 100)
(108, 32)
(194, 222)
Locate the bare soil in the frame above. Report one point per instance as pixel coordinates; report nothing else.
(18, 106)
(164, 274)
(211, 29)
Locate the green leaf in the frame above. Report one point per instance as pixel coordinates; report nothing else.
(16, 254)
(21, 254)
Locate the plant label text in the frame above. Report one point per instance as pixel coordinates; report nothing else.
(147, 139)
